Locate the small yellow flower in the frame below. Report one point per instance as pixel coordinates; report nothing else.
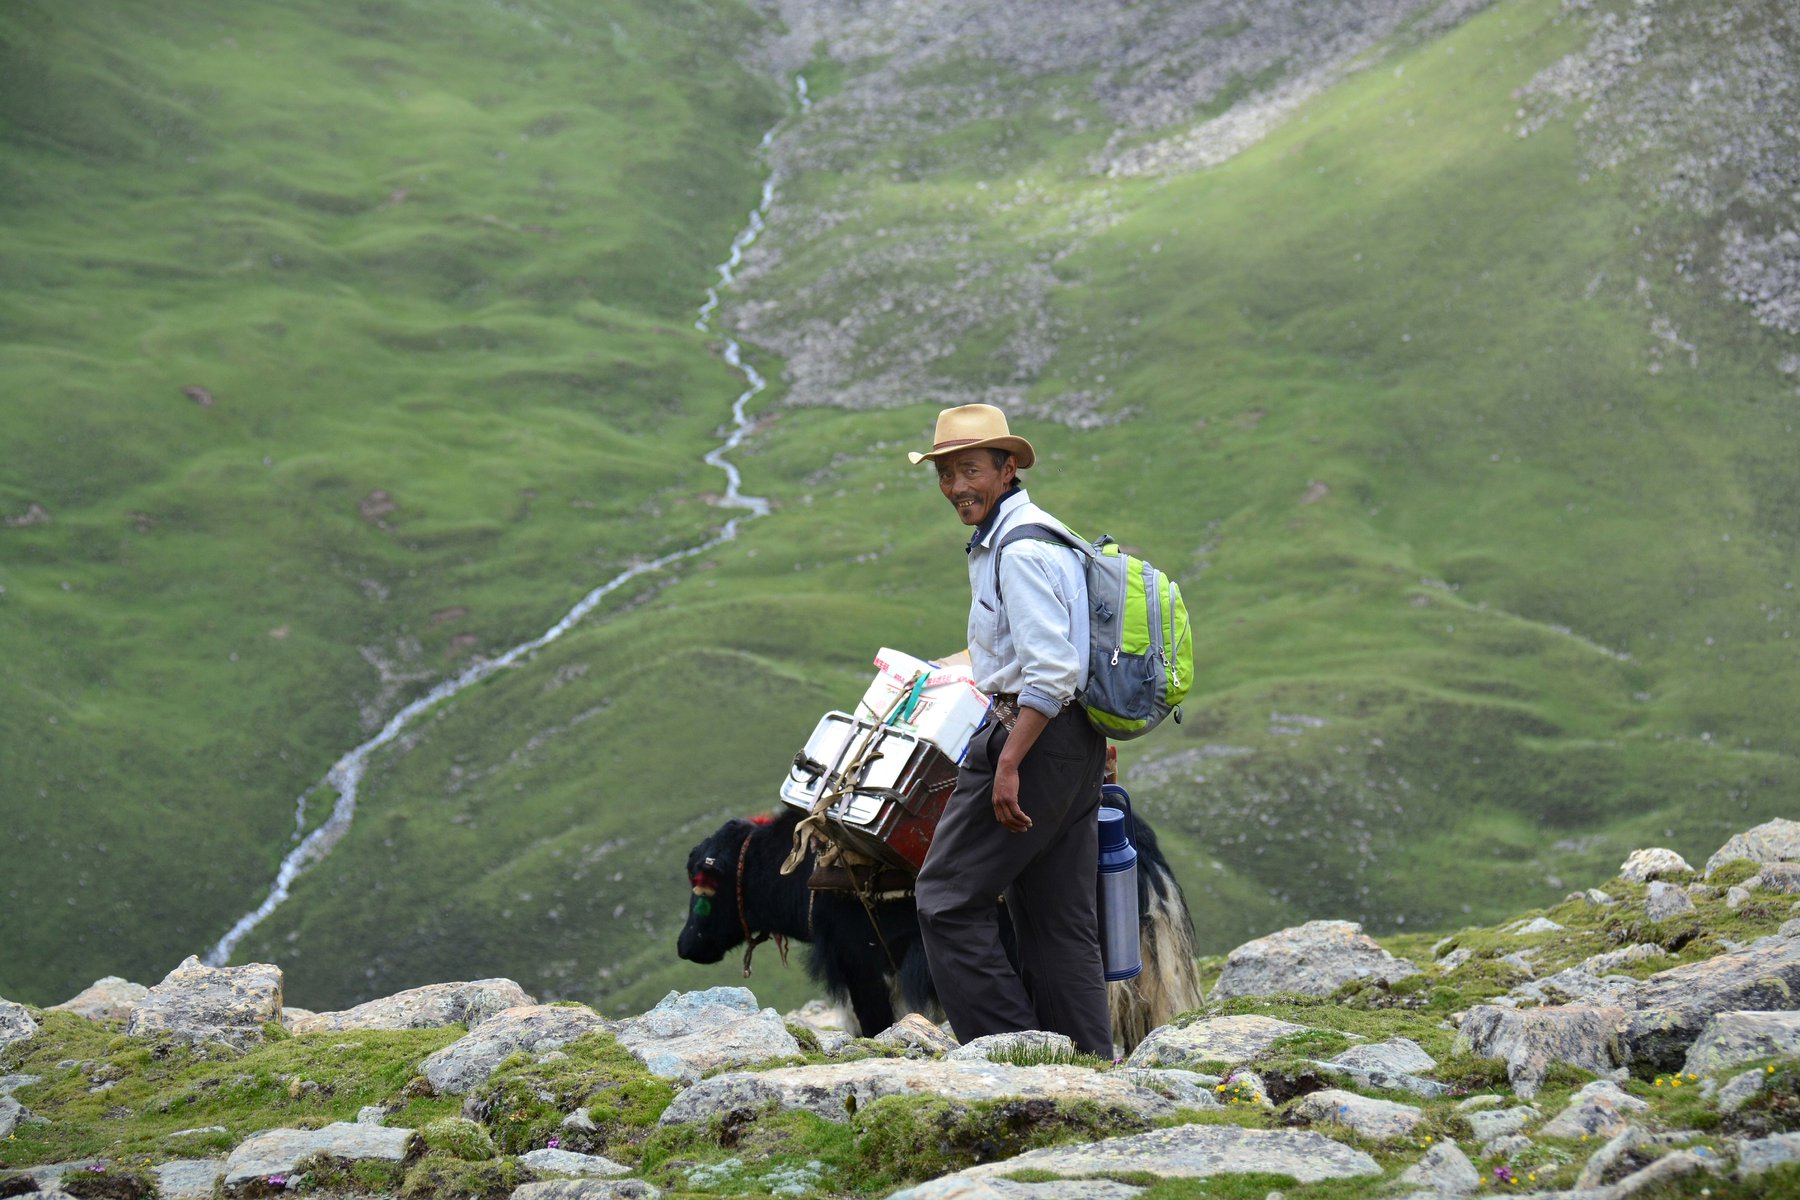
(1675, 1083)
(1692, 1076)
(1658, 1082)
(1770, 1070)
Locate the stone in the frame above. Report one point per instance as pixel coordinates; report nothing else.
(588, 1189)
(1644, 865)
(1491, 1125)
(1740, 1090)
(1771, 842)
(1455, 959)
(918, 1036)
(690, 1033)
(12, 1083)
(11, 1113)
(1189, 1152)
(1521, 962)
(280, 1151)
(826, 1022)
(1418, 1085)
(1665, 901)
(1612, 960)
(1576, 986)
(1244, 1087)
(567, 1162)
(108, 999)
(1538, 925)
(16, 1024)
(1731, 1039)
(196, 1003)
(1221, 1040)
(533, 1029)
(1532, 1039)
(1393, 1064)
(1596, 1111)
(292, 1014)
(1444, 1171)
(953, 1187)
(1380, 1119)
(1766, 1153)
(1668, 1010)
(1189, 1089)
(836, 1091)
(1314, 959)
(1598, 898)
(1701, 891)
(188, 1178)
(1735, 897)
(1781, 878)
(1002, 1046)
(1508, 1146)
(431, 1007)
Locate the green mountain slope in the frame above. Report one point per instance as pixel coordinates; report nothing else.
(1492, 578)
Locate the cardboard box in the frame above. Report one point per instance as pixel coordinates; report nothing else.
(946, 710)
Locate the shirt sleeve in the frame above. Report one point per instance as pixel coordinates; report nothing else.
(1037, 614)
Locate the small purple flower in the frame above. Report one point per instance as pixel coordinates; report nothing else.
(279, 1181)
(1503, 1175)
(554, 1143)
(97, 1168)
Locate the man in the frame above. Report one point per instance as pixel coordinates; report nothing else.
(1022, 821)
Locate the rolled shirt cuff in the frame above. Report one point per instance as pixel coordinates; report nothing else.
(1047, 705)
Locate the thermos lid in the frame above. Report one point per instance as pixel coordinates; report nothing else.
(1112, 829)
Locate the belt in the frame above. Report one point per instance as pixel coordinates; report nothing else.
(1005, 708)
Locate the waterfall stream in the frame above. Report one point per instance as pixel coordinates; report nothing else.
(345, 775)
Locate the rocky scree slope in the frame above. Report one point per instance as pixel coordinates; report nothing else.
(1640, 1038)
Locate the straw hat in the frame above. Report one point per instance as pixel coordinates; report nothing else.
(971, 427)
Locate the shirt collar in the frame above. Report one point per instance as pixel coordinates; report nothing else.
(1016, 493)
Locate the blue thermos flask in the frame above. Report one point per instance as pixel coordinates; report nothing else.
(1117, 886)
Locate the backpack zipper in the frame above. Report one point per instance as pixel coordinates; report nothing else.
(1154, 603)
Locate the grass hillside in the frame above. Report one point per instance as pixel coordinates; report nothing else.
(1492, 580)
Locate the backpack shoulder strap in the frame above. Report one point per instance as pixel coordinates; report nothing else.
(1038, 533)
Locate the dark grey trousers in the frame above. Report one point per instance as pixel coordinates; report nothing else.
(1047, 875)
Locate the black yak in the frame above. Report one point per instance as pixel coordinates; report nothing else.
(867, 955)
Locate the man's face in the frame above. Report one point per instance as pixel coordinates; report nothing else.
(970, 481)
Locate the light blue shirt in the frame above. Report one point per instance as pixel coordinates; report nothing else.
(1029, 635)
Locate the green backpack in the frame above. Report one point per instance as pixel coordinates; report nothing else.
(1140, 658)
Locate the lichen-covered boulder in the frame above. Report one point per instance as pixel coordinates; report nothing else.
(1392, 1065)
(1379, 1119)
(1532, 1039)
(1641, 866)
(197, 1003)
(1771, 842)
(1780, 878)
(1444, 1171)
(1490, 1125)
(837, 1091)
(1314, 959)
(1183, 1152)
(1668, 1010)
(588, 1189)
(1038, 1043)
(430, 1007)
(566, 1162)
(1730, 1039)
(108, 999)
(1222, 1040)
(1188, 1089)
(1665, 901)
(16, 1023)
(1765, 1154)
(1596, 1111)
(532, 1028)
(691, 1033)
(917, 1037)
(280, 1151)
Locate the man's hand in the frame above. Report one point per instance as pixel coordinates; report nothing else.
(1006, 799)
(1019, 740)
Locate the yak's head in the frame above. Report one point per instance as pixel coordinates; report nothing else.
(713, 927)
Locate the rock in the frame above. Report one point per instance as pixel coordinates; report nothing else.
(1189, 1089)
(1576, 986)
(1538, 925)
(1385, 1080)
(1771, 842)
(280, 1151)
(827, 1023)
(1612, 960)
(588, 1189)
(690, 1033)
(567, 1162)
(1244, 1087)
(432, 1007)
(1381, 1119)
(1730, 1039)
(188, 1178)
(1735, 1094)
(11, 1113)
(1781, 878)
(1790, 928)
(1314, 959)
(1455, 959)
(953, 1187)
(1521, 962)
(1765, 1153)
(12, 1083)
(1666, 900)
(1735, 897)
(108, 999)
(1644, 865)
(1597, 1110)
(1669, 1009)
(1531, 1040)
(1700, 891)
(534, 1029)
(1222, 1039)
(579, 1120)
(16, 1024)
(1507, 1146)
(371, 1114)
(1476, 1103)
(1002, 1047)
(1444, 1171)
(1183, 1152)
(918, 1036)
(197, 1003)
(1490, 1126)
(1392, 1064)
(292, 1015)
(838, 1090)
(1598, 898)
